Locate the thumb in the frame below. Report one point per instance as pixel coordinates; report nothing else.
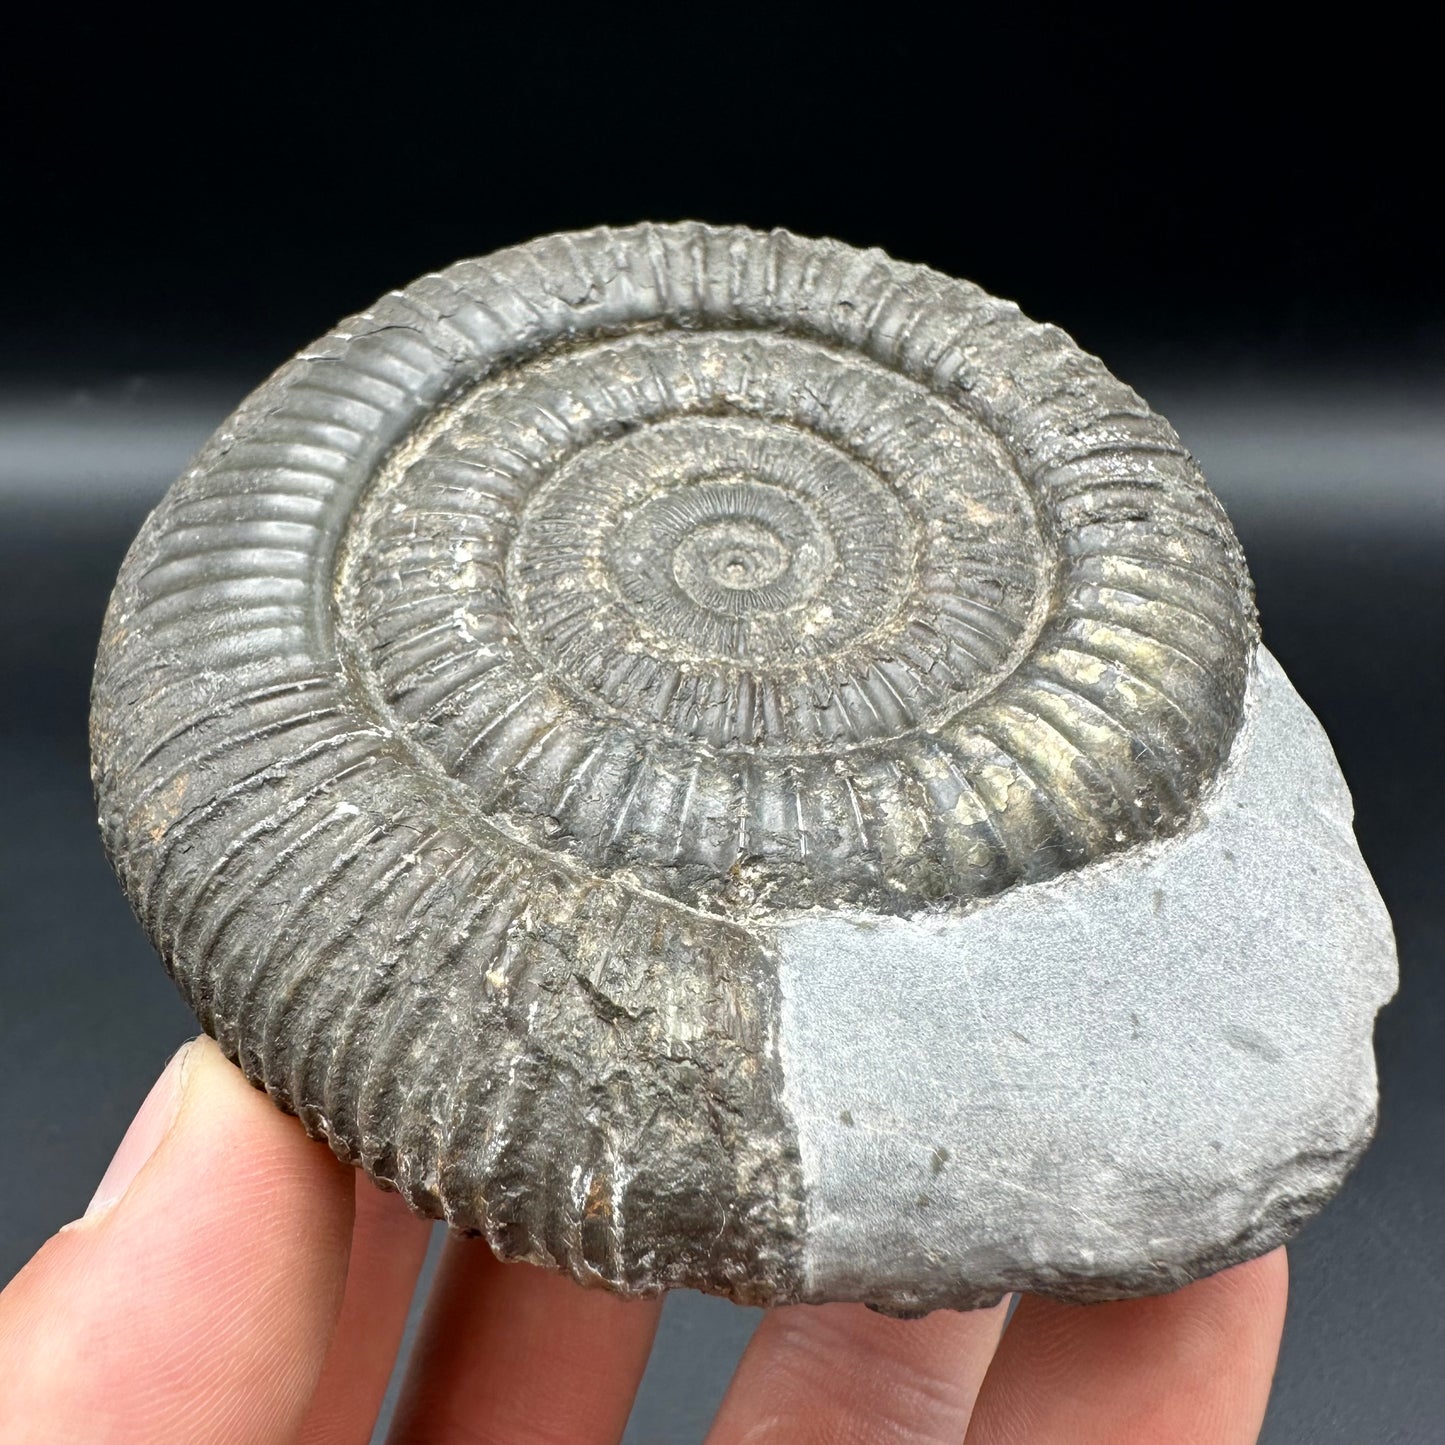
(196, 1298)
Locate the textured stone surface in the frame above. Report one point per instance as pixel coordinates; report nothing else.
(539, 669)
(1108, 1084)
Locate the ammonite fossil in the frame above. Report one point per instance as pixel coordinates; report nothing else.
(726, 760)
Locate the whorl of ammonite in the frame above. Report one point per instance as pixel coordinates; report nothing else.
(540, 635)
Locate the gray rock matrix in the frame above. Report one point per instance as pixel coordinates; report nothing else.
(724, 760)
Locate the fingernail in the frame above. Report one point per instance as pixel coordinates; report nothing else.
(150, 1125)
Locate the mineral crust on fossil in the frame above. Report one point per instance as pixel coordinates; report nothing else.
(726, 760)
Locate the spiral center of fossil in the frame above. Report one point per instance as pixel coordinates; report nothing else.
(734, 547)
(719, 540)
(737, 556)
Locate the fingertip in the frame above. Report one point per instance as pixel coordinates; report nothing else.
(155, 1119)
(203, 1285)
(1191, 1365)
(389, 1244)
(1266, 1278)
(814, 1373)
(514, 1352)
(225, 1120)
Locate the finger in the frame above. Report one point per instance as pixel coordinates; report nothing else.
(842, 1373)
(1191, 1366)
(509, 1352)
(388, 1246)
(195, 1299)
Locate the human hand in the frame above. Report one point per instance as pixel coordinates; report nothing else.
(233, 1282)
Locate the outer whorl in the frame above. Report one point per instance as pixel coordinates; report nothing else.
(517, 657)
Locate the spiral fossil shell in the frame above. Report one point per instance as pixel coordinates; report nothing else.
(519, 655)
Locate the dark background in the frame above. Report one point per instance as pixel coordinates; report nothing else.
(1235, 220)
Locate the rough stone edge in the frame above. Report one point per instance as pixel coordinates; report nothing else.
(1305, 1182)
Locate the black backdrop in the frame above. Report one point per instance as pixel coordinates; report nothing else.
(228, 181)
(1236, 220)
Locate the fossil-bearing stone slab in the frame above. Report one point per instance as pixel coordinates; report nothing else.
(726, 760)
